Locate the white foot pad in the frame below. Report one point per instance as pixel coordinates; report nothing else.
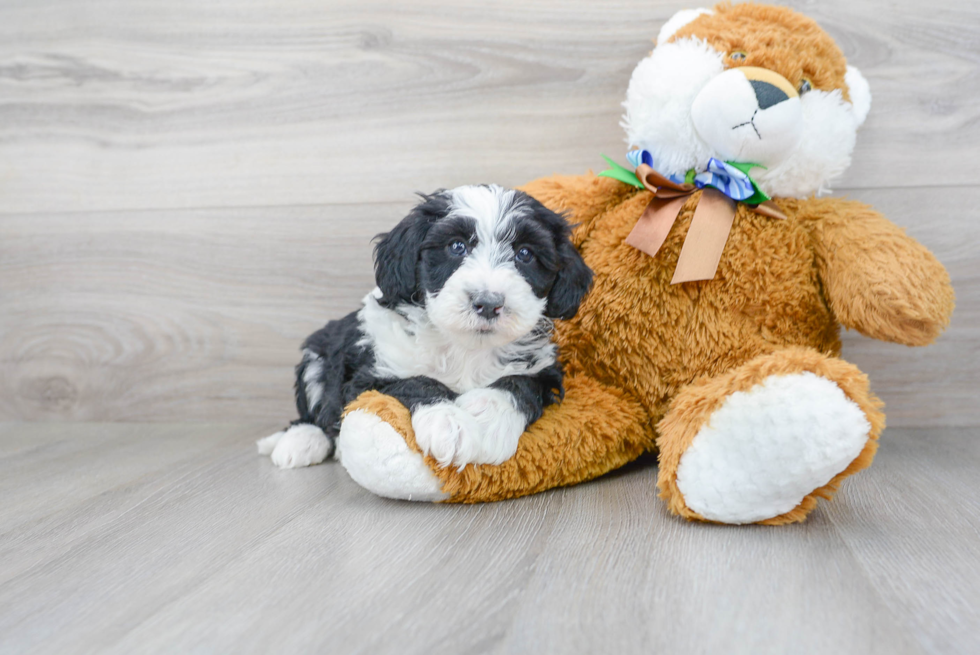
(266, 445)
(301, 445)
(766, 449)
(378, 459)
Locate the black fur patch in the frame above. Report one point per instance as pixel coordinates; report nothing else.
(397, 253)
(347, 371)
(532, 393)
(437, 262)
(572, 277)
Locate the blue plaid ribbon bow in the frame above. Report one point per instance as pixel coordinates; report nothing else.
(723, 176)
(712, 221)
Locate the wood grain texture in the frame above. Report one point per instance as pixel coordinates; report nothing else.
(126, 538)
(124, 104)
(198, 315)
(188, 189)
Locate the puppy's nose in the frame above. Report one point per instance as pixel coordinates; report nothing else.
(488, 305)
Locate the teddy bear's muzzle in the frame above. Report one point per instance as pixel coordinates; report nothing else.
(749, 114)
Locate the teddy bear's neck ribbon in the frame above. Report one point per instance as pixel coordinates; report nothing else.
(723, 184)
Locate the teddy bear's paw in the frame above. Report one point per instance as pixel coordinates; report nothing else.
(377, 458)
(501, 424)
(765, 449)
(451, 435)
(301, 445)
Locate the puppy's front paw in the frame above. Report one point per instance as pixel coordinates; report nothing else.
(501, 424)
(301, 445)
(449, 434)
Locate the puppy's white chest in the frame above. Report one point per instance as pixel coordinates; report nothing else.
(408, 346)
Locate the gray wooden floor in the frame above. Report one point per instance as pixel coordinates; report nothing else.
(188, 189)
(126, 538)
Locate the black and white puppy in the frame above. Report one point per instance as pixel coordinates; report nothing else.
(458, 329)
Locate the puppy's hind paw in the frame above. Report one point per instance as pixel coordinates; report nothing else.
(301, 445)
(266, 445)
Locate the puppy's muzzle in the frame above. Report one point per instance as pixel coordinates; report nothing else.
(487, 305)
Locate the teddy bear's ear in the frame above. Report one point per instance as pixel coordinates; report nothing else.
(860, 93)
(679, 20)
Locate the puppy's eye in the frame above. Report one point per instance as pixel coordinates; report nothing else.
(524, 256)
(805, 85)
(457, 248)
(738, 55)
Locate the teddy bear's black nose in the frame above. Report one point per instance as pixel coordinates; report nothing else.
(767, 94)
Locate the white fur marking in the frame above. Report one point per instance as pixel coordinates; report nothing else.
(266, 445)
(446, 340)
(765, 449)
(378, 459)
(406, 344)
(311, 379)
(301, 445)
(488, 268)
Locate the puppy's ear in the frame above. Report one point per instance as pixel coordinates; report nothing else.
(573, 282)
(396, 255)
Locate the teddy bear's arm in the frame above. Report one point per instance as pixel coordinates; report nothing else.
(582, 198)
(878, 280)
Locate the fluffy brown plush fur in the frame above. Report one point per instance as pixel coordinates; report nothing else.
(648, 362)
(791, 44)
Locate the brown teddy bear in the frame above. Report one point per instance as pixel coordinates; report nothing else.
(711, 332)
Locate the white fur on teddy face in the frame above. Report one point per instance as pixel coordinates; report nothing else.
(727, 116)
(481, 427)
(860, 92)
(658, 118)
(767, 448)
(823, 152)
(377, 458)
(658, 104)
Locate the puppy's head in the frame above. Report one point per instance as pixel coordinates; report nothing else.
(487, 264)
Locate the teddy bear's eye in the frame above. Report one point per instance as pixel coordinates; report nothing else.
(804, 86)
(738, 55)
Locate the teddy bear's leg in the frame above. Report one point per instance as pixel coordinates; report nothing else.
(760, 443)
(594, 430)
(377, 447)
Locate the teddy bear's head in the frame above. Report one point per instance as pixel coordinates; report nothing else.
(748, 83)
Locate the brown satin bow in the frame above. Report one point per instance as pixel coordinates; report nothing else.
(706, 238)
